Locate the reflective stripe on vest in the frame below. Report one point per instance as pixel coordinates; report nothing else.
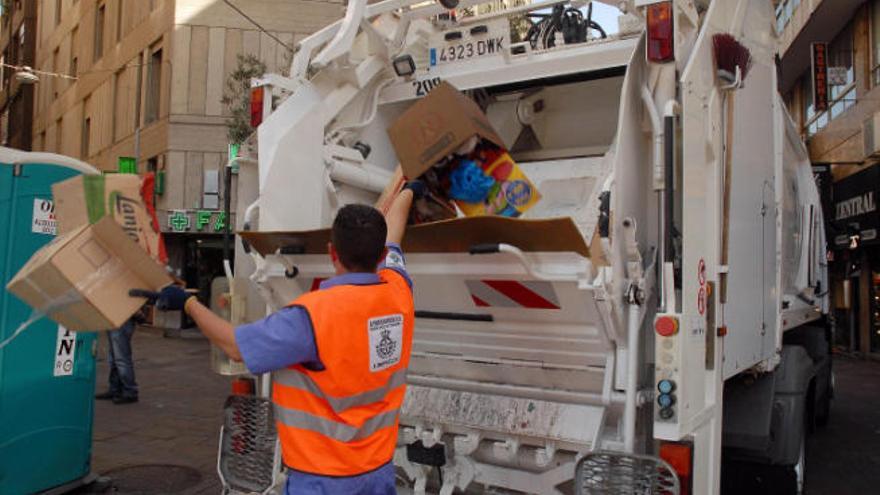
(301, 381)
(332, 429)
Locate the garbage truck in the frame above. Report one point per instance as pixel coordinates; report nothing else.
(655, 324)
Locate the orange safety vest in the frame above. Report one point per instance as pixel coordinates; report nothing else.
(342, 421)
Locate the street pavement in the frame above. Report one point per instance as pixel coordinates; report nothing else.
(167, 443)
(843, 458)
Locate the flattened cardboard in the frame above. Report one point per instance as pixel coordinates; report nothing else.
(447, 236)
(435, 126)
(92, 268)
(85, 199)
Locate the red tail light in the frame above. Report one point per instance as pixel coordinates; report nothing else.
(680, 457)
(242, 386)
(660, 32)
(257, 95)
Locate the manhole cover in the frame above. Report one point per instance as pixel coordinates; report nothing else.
(149, 479)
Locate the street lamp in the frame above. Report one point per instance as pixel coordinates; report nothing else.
(26, 76)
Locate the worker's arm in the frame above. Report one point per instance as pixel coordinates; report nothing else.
(398, 212)
(219, 331)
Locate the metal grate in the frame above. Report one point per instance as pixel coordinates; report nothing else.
(615, 473)
(247, 444)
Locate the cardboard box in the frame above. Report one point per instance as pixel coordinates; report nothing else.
(487, 181)
(435, 126)
(86, 199)
(82, 278)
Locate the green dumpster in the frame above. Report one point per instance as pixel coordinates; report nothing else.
(47, 375)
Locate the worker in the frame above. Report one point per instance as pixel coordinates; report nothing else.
(339, 355)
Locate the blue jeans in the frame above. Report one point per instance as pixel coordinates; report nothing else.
(122, 381)
(377, 482)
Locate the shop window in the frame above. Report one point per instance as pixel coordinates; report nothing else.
(840, 97)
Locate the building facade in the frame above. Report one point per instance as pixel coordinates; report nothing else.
(17, 48)
(843, 144)
(150, 78)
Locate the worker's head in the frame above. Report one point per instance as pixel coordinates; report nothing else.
(357, 241)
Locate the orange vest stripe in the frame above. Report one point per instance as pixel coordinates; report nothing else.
(300, 381)
(342, 420)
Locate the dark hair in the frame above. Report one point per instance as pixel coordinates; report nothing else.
(359, 237)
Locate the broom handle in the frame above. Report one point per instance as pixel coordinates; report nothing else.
(725, 232)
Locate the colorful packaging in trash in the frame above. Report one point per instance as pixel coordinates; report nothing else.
(495, 178)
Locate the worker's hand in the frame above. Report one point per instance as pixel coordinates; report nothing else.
(417, 187)
(173, 298)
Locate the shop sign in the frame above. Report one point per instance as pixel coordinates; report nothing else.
(819, 53)
(854, 214)
(196, 221)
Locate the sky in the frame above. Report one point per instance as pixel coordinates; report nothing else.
(605, 15)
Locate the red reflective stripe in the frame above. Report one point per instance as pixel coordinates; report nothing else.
(520, 294)
(479, 302)
(316, 284)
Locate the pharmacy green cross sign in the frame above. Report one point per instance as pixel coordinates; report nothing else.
(178, 221)
(198, 220)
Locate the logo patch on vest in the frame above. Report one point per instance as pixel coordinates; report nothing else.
(386, 341)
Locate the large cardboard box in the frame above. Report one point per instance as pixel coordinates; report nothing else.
(82, 278)
(435, 126)
(86, 199)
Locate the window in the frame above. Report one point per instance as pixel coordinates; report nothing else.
(840, 97)
(153, 164)
(59, 136)
(73, 67)
(154, 82)
(875, 42)
(86, 135)
(118, 101)
(784, 11)
(120, 8)
(137, 94)
(19, 57)
(57, 12)
(211, 190)
(100, 16)
(56, 67)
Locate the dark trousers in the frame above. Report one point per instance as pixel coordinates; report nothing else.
(122, 382)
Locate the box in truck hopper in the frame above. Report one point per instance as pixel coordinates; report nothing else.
(85, 199)
(448, 142)
(82, 278)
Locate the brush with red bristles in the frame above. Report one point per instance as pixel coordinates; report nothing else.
(732, 59)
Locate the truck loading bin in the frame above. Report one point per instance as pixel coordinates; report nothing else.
(47, 374)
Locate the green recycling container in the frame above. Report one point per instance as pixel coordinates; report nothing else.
(47, 374)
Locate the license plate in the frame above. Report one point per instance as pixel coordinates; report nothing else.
(466, 50)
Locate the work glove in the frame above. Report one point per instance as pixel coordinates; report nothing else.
(417, 187)
(171, 298)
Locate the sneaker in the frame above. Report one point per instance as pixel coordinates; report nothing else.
(108, 395)
(124, 400)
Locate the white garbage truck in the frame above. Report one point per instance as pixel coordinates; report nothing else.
(655, 324)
